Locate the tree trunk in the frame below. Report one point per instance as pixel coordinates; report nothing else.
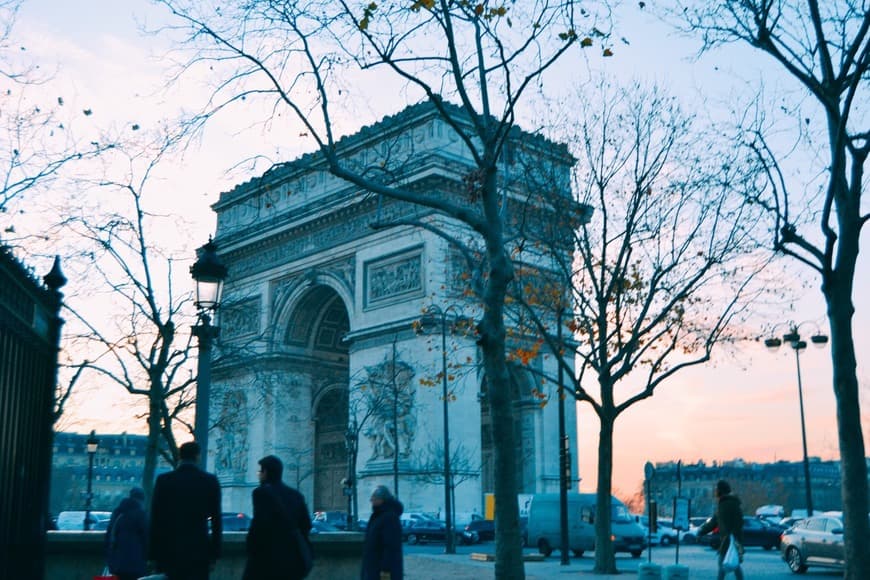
(852, 452)
(151, 448)
(508, 540)
(605, 560)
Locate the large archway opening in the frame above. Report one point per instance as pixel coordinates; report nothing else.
(316, 331)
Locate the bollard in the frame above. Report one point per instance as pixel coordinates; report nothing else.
(677, 572)
(649, 571)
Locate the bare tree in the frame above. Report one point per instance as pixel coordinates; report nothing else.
(663, 272)
(36, 141)
(133, 340)
(824, 49)
(487, 58)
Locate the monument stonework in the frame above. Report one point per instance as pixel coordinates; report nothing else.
(321, 334)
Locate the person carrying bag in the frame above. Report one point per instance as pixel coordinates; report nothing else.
(278, 547)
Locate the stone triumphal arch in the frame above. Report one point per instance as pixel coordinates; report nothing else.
(321, 346)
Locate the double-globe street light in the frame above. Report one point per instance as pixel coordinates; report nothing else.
(431, 312)
(209, 274)
(793, 338)
(91, 444)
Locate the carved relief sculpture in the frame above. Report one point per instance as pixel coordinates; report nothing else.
(232, 445)
(390, 402)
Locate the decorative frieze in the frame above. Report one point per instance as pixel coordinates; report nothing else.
(241, 318)
(395, 278)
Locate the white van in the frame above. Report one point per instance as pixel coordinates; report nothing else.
(75, 520)
(544, 528)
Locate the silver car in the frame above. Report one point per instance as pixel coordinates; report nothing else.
(815, 541)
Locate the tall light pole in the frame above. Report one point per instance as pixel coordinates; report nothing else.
(351, 438)
(209, 274)
(564, 458)
(443, 313)
(92, 444)
(395, 387)
(794, 340)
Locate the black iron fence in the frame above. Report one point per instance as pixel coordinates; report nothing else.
(29, 339)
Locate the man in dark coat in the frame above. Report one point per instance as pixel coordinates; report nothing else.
(382, 552)
(277, 543)
(729, 519)
(127, 537)
(186, 501)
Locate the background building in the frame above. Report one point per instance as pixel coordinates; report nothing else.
(118, 466)
(757, 484)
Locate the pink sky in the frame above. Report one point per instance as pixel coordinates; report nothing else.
(743, 405)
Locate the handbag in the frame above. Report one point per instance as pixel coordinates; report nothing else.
(731, 560)
(106, 575)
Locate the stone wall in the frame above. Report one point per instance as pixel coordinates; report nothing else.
(79, 556)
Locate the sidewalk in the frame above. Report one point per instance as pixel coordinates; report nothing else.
(462, 567)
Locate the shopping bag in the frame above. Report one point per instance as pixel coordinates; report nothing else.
(106, 575)
(731, 560)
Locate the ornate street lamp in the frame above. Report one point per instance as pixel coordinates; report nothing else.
(209, 274)
(429, 313)
(92, 445)
(793, 338)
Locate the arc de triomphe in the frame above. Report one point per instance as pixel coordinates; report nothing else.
(320, 334)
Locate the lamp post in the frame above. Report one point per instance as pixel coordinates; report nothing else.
(793, 337)
(209, 273)
(435, 310)
(564, 457)
(351, 440)
(92, 445)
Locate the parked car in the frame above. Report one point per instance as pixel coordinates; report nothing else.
(333, 518)
(485, 529)
(421, 531)
(408, 518)
(666, 532)
(664, 535)
(235, 522)
(756, 533)
(814, 541)
(690, 536)
(321, 527)
(789, 521)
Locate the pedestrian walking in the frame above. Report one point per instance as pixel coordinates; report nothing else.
(382, 551)
(186, 502)
(127, 537)
(277, 545)
(729, 519)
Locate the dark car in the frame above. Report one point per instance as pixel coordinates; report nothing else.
(235, 522)
(756, 533)
(421, 531)
(485, 529)
(815, 541)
